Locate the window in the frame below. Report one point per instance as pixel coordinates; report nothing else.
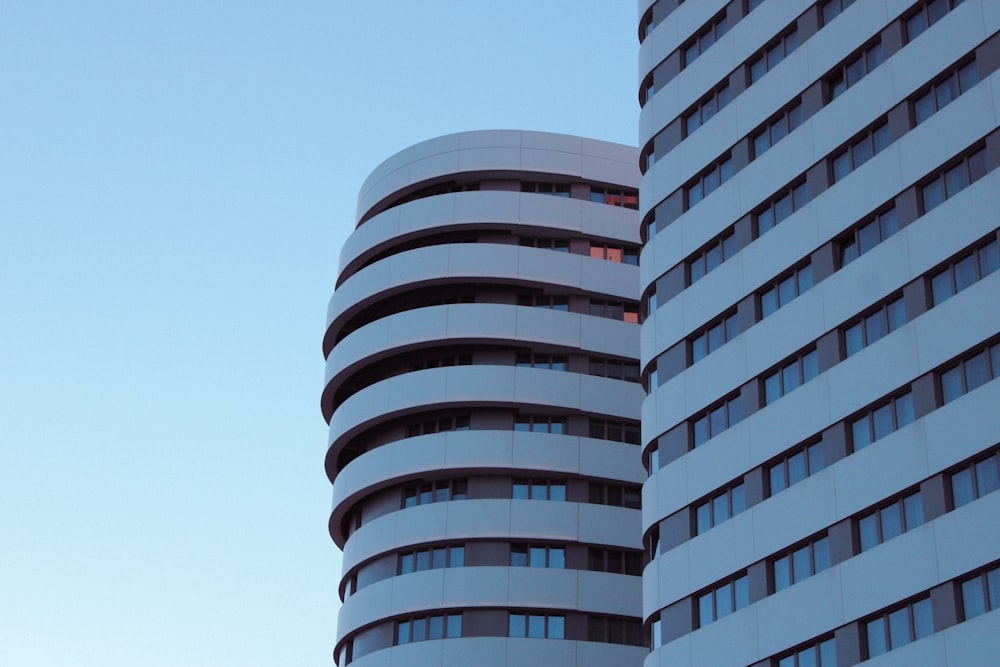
(871, 327)
(614, 630)
(557, 189)
(963, 272)
(543, 301)
(970, 373)
(784, 290)
(615, 310)
(859, 152)
(705, 38)
(556, 362)
(719, 508)
(533, 489)
(617, 370)
(929, 13)
(441, 362)
(714, 336)
(944, 91)
(881, 421)
(441, 425)
(422, 628)
(795, 467)
(612, 197)
(817, 654)
(615, 253)
(540, 423)
(709, 181)
(975, 481)
(889, 521)
(899, 627)
(831, 9)
(627, 432)
(559, 245)
(773, 55)
(711, 257)
(723, 600)
(536, 555)
(853, 70)
(801, 563)
(618, 495)
(790, 376)
(777, 129)
(431, 559)
(706, 108)
(868, 235)
(536, 626)
(781, 207)
(435, 492)
(616, 561)
(715, 420)
(952, 181)
(981, 593)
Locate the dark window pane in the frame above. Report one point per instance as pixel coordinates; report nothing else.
(724, 600)
(801, 564)
(861, 152)
(738, 499)
(782, 574)
(704, 517)
(896, 314)
(923, 619)
(700, 431)
(875, 631)
(536, 626)
(868, 237)
(419, 629)
(790, 376)
(805, 278)
(768, 302)
(800, 196)
(904, 410)
(765, 221)
(977, 165)
(899, 628)
(855, 70)
(956, 179)
(853, 341)
(888, 223)
(717, 420)
(796, 468)
(874, 327)
(777, 478)
(976, 372)
(913, 510)
(961, 488)
(782, 208)
(915, 25)
(423, 560)
(734, 410)
(742, 592)
(828, 653)
(720, 508)
(868, 531)
(965, 273)
(945, 92)
(517, 625)
(821, 554)
(923, 108)
(882, 421)
(951, 384)
(848, 252)
(816, 462)
(973, 598)
(706, 613)
(786, 290)
(435, 627)
(454, 625)
(989, 259)
(987, 476)
(716, 338)
(873, 57)
(403, 633)
(860, 433)
(892, 522)
(941, 288)
(968, 76)
(993, 584)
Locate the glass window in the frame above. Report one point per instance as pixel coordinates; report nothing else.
(973, 598)
(875, 631)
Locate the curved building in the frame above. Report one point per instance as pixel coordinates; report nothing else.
(483, 396)
(822, 332)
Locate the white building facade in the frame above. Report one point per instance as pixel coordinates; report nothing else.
(483, 396)
(820, 210)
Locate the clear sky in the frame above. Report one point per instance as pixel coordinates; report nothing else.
(176, 179)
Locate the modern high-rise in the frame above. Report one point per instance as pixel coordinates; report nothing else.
(483, 396)
(820, 205)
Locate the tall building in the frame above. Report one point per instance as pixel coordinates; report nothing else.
(483, 396)
(820, 210)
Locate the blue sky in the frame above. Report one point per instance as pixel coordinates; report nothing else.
(176, 179)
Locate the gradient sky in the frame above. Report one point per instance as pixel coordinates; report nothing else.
(176, 179)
